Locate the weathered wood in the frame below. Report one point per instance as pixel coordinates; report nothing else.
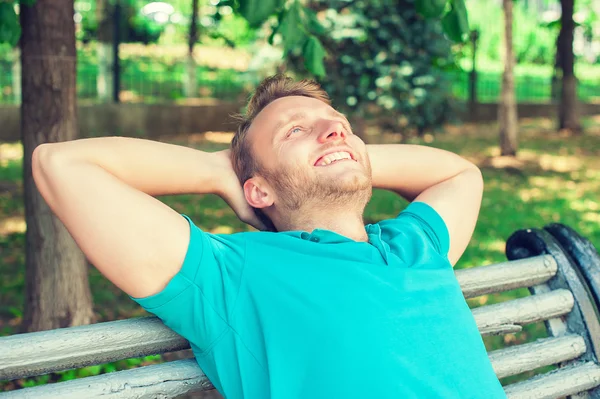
(544, 352)
(523, 311)
(500, 330)
(555, 326)
(557, 383)
(48, 351)
(67, 348)
(506, 276)
(167, 380)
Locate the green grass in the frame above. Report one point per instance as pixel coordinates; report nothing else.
(557, 180)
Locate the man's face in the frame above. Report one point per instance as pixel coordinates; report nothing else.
(309, 155)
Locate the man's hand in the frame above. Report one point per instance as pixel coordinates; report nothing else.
(103, 190)
(231, 191)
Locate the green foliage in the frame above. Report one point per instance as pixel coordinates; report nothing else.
(299, 29)
(291, 28)
(133, 26)
(231, 29)
(257, 11)
(10, 30)
(455, 22)
(314, 54)
(431, 8)
(392, 64)
(453, 14)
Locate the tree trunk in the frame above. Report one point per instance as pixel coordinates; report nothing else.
(57, 287)
(568, 112)
(507, 110)
(190, 85)
(104, 51)
(557, 72)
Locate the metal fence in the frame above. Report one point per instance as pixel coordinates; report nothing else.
(149, 86)
(150, 81)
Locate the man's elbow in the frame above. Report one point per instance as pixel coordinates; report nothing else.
(45, 168)
(41, 159)
(471, 179)
(38, 159)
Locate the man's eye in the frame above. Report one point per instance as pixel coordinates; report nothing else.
(295, 130)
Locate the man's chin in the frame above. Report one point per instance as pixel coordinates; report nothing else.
(348, 185)
(353, 181)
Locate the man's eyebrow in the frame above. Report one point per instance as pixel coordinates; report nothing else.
(294, 117)
(303, 115)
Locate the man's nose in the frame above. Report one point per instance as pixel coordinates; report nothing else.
(332, 131)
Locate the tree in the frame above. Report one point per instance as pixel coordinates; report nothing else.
(391, 66)
(57, 288)
(568, 113)
(507, 111)
(300, 28)
(191, 82)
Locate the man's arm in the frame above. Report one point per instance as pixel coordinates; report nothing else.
(102, 190)
(448, 183)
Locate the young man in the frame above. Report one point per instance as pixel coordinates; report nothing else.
(317, 305)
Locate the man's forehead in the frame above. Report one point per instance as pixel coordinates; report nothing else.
(287, 109)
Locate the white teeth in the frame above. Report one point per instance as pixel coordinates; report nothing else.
(335, 156)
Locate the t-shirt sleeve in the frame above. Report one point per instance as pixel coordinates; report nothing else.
(418, 235)
(196, 302)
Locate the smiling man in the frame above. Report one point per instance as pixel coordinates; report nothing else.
(317, 304)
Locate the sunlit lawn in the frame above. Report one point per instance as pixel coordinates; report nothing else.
(556, 178)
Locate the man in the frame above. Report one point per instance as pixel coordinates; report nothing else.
(317, 305)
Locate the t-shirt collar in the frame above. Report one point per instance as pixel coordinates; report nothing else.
(325, 236)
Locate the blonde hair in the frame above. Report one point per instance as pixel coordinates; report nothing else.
(272, 88)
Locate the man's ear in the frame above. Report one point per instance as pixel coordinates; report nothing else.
(258, 193)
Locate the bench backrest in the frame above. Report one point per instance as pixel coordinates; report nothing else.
(562, 296)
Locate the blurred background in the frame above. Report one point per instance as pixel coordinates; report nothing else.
(175, 71)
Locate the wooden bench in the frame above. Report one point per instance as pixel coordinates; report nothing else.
(560, 268)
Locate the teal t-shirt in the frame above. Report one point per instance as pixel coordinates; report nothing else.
(297, 314)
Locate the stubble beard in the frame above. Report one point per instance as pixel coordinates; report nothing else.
(298, 190)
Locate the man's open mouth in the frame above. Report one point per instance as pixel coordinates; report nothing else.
(334, 157)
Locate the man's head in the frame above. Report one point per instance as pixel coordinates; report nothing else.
(293, 152)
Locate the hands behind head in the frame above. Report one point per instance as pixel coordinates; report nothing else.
(231, 190)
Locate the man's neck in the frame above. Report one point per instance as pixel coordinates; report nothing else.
(339, 221)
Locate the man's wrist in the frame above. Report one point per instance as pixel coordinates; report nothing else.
(222, 173)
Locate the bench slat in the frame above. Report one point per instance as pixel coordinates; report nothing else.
(544, 352)
(523, 311)
(67, 348)
(167, 380)
(48, 351)
(506, 276)
(184, 376)
(557, 383)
